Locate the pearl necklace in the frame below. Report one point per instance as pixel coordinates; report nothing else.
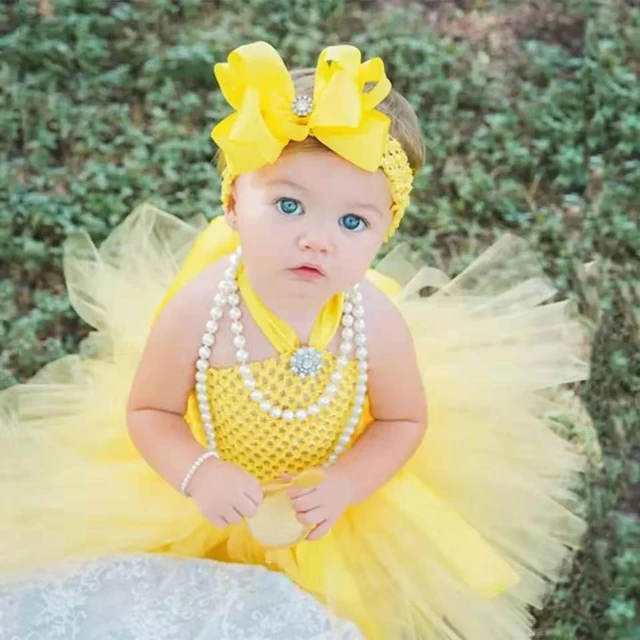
(306, 361)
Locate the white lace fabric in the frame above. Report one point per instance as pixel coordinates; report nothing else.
(146, 597)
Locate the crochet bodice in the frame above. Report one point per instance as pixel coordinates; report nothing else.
(265, 446)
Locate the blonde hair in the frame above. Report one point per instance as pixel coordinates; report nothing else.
(405, 126)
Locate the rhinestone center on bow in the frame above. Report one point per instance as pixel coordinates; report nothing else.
(302, 106)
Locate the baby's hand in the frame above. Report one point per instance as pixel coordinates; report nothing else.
(322, 505)
(225, 493)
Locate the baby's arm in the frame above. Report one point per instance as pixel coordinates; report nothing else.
(164, 379)
(397, 398)
(399, 409)
(162, 384)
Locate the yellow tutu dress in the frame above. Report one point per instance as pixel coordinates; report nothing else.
(459, 545)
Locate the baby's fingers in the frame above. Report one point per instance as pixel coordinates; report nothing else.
(254, 492)
(321, 530)
(313, 517)
(298, 493)
(232, 515)
(306, 501)
(246, 506)
(218, 521)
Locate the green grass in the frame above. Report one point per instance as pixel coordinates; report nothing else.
(531, 113)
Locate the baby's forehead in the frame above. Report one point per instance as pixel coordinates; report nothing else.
(324, 174)
(304, 162)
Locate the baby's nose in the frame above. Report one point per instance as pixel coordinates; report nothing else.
(316, 240)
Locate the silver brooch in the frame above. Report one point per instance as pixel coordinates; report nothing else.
(302, 106)
(306, 362)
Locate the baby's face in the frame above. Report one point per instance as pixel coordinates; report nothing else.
(311, 223)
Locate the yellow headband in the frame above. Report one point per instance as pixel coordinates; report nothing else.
(340, 114)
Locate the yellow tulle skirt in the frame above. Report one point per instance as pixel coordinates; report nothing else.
(460, 545)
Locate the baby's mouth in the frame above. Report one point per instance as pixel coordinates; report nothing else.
(308, 270)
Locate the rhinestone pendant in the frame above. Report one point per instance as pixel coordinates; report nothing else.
(302, 106)
(306, 362)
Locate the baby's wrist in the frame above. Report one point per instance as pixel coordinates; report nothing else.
(350, 486)
(193, 470)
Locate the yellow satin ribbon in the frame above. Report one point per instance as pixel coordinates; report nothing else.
(258, 86)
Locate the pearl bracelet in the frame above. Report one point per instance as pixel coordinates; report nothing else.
(194, 467)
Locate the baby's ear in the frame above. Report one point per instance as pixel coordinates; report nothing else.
(230, 211)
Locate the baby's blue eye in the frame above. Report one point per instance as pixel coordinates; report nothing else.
(352, 222)
(289, 206)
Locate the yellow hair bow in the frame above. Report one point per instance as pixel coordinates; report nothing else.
(268, 114)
